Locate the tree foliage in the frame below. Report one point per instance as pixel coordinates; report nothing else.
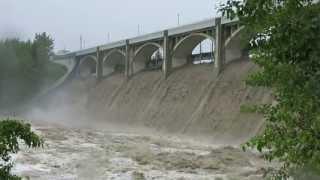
(11, 133)
(25, 68)
(285, 43)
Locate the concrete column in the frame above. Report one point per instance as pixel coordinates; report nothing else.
(219, 45)
(99, 64)
(77, 67)
(131, 56)
(128, 55)
(167, 59)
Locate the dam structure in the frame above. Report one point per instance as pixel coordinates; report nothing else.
(175, 44)
(152, 83)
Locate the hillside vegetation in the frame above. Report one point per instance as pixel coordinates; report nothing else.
(25, 69)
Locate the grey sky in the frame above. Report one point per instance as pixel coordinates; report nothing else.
(65, 20)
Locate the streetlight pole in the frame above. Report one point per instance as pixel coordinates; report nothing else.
(178, 16)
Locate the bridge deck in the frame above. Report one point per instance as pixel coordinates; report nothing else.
(205, 24)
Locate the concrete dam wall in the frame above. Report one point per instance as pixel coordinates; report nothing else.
(192, 101)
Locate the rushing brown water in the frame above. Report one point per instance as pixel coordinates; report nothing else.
(71, 154)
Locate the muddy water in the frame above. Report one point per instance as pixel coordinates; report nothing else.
(90, 154)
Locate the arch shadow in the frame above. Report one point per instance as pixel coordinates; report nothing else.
(182, 51)
(114, 61)
(88, 66)
(233, 46)
(143, 55)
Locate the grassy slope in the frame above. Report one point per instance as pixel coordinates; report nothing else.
(55, 72)
(17, 95)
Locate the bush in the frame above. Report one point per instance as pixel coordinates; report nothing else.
(11, 132)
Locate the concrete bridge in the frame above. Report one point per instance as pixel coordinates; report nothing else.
(175, 44)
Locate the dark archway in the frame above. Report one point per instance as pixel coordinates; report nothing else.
(145, 54)
(182, 52)
(233, 46)
(88, 66)
(113, 61)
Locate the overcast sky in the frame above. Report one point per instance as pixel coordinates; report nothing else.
(66, 20)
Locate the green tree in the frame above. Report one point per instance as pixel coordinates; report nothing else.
(25, 68)
(42, 48)
(285, 43)
(11, 131)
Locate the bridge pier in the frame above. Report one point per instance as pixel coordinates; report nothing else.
(99, 64)
(167, 58)
(219, 45)
(77, 69)
(131, 63)
(128, 63)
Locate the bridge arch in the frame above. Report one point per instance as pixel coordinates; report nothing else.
(143, 55)
(88, 66)
(113, 61)
(233, 47)
(182, 51)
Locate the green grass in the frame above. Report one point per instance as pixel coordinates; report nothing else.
(54, 73)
